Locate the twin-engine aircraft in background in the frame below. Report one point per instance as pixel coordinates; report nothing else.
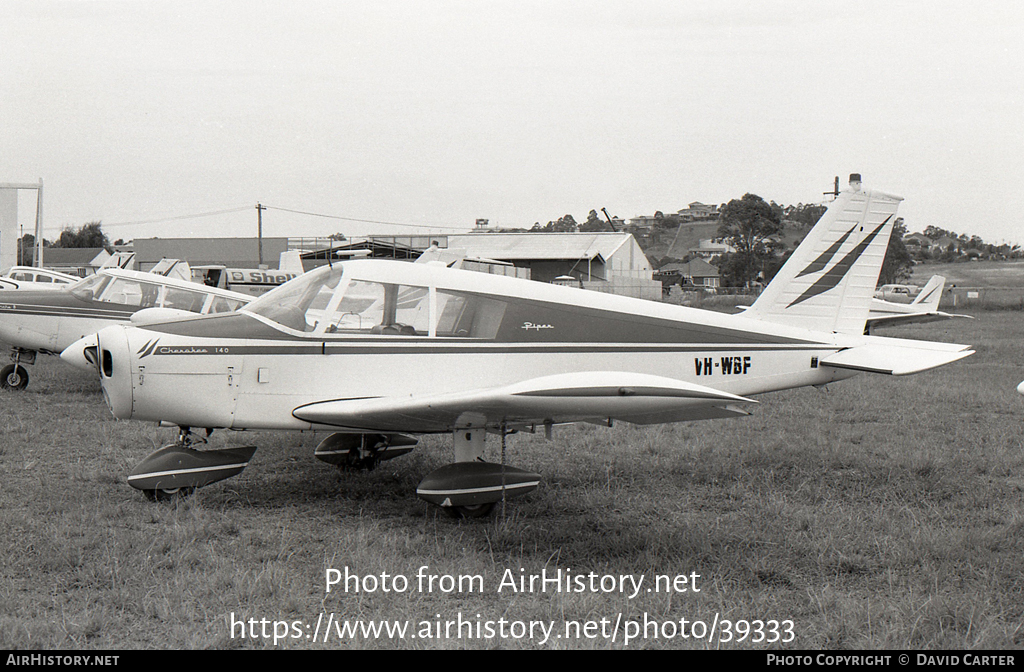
(376, 351)
(48, 321)
(924, 307)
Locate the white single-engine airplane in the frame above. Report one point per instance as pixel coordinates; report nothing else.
(30, 277)
(376, 350)
(924, 307)
(48, 321)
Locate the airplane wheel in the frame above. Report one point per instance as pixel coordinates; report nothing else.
(13, 377)
(169, 494)
(359, 464)
(472, 511)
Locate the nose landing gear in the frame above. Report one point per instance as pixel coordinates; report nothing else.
(14, 376)
(176, 470)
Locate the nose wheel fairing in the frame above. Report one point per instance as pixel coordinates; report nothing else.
(177, 467)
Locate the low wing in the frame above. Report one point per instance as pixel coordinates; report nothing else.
(560, 398)
(897, 357)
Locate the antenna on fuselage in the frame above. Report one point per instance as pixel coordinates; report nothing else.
(835, 189)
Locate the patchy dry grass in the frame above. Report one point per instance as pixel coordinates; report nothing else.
(881, 513)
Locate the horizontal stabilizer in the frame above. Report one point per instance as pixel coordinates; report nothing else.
(896, 360)
(910, 318)
(569, 397)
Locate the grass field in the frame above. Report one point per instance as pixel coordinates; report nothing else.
(880, 513)
(989, 285)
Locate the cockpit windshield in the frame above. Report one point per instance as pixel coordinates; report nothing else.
(298, 304)
(91, 287)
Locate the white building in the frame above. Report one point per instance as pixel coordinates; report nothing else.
(607, 261)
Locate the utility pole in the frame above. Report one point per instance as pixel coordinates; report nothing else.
(259, 229)
(39, 225)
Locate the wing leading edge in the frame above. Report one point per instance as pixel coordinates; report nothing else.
(571, 397)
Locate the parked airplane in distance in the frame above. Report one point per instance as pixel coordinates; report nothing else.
(924, 307)
(897, 293)
(376, 351)
(48, 321)
(30, 277)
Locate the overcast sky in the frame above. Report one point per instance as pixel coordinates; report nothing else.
(434, 113)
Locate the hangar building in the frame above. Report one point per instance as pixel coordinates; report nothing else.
(605, 261)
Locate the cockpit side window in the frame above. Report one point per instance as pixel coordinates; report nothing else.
(468, 315)
(380, 308)
(220, 304)
(183, 299)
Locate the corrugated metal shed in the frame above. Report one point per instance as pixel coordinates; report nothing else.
(233, 252)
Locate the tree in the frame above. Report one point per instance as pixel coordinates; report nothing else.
(749, 225)
(935, 232)
(807, 215)
(898, 264)
(27, 249)
(594, 223)
(565, 224)
(88, 235)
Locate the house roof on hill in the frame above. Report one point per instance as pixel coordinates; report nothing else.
(695, 268)
(74, 256)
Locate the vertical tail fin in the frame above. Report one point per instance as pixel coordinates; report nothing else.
(930, 294)
(829, 281)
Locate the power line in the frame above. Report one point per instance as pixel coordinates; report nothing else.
(271, 207)
(169, 219)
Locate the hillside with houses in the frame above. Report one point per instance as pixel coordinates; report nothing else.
(686, 247)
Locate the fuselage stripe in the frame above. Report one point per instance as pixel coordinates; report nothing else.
(503, 348)
(194, 470)
(469, 491)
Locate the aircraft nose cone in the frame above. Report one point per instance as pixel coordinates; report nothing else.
(114, 358)
(83, 353)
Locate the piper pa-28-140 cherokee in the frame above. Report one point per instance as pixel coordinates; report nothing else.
(48, 321)
(376, 350)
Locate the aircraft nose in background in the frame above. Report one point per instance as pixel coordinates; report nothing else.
(83, 353)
